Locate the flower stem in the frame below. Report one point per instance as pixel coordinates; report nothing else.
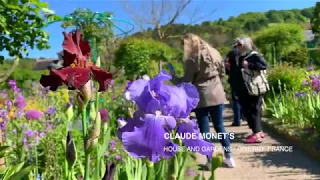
(150, 166)
(182, 165)
(66, 167)
(98, 154)
(87, 155)
(37, 164)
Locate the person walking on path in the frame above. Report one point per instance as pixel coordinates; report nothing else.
(231, 70)
(249, 62)
(204, 68)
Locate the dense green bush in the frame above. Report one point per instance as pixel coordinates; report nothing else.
(315, 57)
(141, 56)
(284, 76)
(298, 56)
(23, 74)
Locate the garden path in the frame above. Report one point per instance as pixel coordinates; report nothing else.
(295, 165)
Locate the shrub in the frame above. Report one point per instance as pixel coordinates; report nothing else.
(315, 56)
(298, 56)
(285, 76)
(141, 56)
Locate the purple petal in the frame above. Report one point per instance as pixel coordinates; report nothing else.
(192, 96)
(206, 148)
(177, 103)
(136, 88)
(156, 82)
(183, 99)
(144, 137)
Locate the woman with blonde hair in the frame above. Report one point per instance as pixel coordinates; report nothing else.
(250, 62)
(204, 68)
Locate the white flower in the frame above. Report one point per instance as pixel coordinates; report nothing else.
(146, 77)
(121, 123)
(127, 95)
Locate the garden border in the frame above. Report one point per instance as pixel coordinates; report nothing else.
(305, 146)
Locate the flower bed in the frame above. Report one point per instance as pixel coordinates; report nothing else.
(295, 113)
(90, 131)
(311, 147)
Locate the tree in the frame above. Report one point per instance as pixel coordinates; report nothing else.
(308, 12)
(274, 16)
(139, 56)
(279, 39)
(160, 15)
(97, 31)
(315, 21)
(21, 27)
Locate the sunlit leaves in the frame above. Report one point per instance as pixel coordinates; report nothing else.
(138, 56)
(281, 37)
(22, 23)
(91, 26)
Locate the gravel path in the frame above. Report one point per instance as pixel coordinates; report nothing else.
(261, 163)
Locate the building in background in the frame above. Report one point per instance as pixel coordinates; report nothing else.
(42, 64)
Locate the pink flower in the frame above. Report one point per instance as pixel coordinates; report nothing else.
(33, 114)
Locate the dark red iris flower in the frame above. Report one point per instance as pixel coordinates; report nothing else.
(76, 70)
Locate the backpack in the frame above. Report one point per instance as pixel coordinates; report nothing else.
(255, 81)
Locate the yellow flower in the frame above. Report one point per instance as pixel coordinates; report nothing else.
(64, 91)
(32, 104)
(66, 99)
(11, 114)
(58, 94)
(50, 93)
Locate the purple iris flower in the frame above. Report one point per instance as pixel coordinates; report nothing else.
(162, 109)
(143, 136)
(191, 126)
(153, 95)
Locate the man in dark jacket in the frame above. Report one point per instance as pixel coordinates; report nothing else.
(231, 70)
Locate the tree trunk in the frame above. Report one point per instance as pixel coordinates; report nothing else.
(5, 76)
(160, 36)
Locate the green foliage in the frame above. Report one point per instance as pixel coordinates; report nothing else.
(296, 115)
(224, 50)
(315, 21)
(96, 29)
(298, 56)
(21, 24)
(138, 56)
(279, 39)
(85, 20)
(23, 73)
(284, 76)
(18, 171)
(223, 32)
(315, 57)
